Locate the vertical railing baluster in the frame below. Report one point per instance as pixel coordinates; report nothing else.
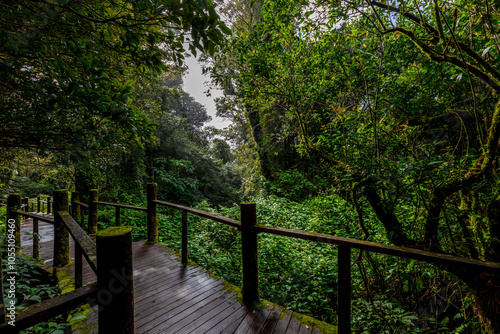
(61, 235)
(75, 208)
(344, 290)
(82, 218)
(78, 266)
(38, 204)
(184, 238)
(117, 216)
(152, 219)
(93, 215)
(36, 252)
(249, 252)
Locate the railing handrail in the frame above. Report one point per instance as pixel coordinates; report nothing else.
(131, 207)
(86, 244)
(404, 252)
(47, 219)
(86, 206)
(375, 247)
(204, 214)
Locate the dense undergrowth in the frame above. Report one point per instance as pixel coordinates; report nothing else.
(390, 295)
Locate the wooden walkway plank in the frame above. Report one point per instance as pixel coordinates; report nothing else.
(171, 281)
(272, 320)
(282, 324)
(229, 325)
(191, 312)
(209, 319)
(305, 329)
(293, 325)
(253, 321)
(174, 297)
(167, 309)
(259, 321)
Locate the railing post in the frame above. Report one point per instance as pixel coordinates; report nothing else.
(92, 227)
(75, 213)
(36, 253)
(344, 290)
(115, 280)
(184, 238)
(38, 204)
(61, 235)
(48, 205)
(14, 203)
(75, 208)
(82, 217)
(117, 216)
(250, 281)
(78, 266)
(24, 201)
(152, 219)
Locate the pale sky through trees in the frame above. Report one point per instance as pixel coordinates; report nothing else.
(194, 84)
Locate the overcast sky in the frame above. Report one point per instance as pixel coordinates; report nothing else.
(194, 84)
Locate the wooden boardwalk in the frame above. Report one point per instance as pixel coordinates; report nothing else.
(170, 298)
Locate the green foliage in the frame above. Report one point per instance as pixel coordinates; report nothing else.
(292, 185)
(383, 316)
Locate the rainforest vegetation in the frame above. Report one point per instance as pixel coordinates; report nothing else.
(373, 120)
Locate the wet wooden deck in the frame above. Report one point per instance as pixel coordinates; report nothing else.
(171, 298)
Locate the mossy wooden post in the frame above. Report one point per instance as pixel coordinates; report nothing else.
(36, 253)
(344, 290)
(38, 207)
(14, 203)
(48, 205)
(92, 224)
(24, 203)
(75, 208)
(184, 238)
(61, 235)
(82, 217)
(115, 280)
(250, 281)
(152, 218)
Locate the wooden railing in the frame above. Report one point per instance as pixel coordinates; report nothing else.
(113, 294)
(249, 230)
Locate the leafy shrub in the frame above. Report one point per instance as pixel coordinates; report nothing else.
(291, 184)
